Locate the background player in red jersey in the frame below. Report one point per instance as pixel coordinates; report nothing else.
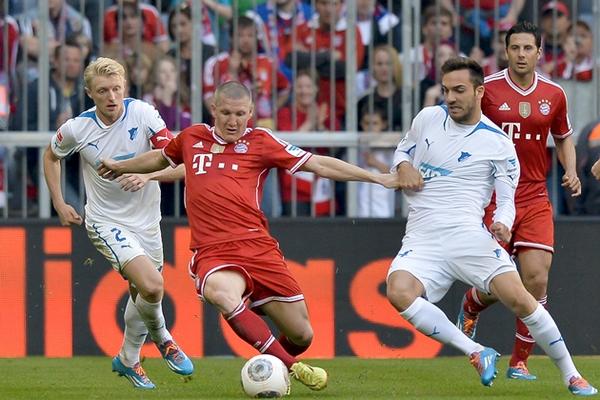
(235, 258)
(528, 107)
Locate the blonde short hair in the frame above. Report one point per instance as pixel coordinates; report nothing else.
(103, 66)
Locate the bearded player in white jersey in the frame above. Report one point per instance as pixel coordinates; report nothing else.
(122, 218)
(450, 161)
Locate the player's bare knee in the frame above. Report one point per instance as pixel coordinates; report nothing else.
(302, 337)
(225, 300)
(521, 303)
(536, 284)
(400, 295)
(151, 288)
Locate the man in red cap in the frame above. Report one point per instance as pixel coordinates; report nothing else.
(554, 23)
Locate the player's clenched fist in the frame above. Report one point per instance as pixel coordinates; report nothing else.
(410, 177)
(108, 169)
(500, 231)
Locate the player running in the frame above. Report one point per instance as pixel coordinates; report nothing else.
(528, 107)
(122, 218)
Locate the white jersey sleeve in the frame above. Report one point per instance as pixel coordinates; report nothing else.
(506, 175)
(63, 142)
(406, 148)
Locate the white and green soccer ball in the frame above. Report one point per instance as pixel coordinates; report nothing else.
(265, 376)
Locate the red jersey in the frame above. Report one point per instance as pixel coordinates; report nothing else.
(216, 72)
(153, 29)
(309, 35)
(224, 181)
(528, 116)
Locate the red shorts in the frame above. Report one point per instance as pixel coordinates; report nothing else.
(533, 227)
(260, 262)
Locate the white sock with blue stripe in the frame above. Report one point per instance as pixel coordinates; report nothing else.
(135, 335)
(432, 322)
(546, 334)
(154, 319)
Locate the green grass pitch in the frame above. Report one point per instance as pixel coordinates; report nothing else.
(218, 378)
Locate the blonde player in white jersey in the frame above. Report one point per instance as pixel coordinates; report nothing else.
(122, 218)
(449, 163)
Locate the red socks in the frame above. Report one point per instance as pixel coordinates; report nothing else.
(292, 348)
(253, 330)
(473, 304)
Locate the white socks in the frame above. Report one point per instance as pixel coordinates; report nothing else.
(431, 321)
(135, 335)
(154, 319)
(545, 332)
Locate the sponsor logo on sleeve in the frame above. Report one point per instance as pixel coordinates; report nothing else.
(294, 150)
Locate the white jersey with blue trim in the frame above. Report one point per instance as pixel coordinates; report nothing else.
(459, 164)
(128, 137)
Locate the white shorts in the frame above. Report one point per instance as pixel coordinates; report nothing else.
(119, 245)
(438, 259)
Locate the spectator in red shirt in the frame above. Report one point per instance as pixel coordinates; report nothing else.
(140, 26)
(256, 71)
(326, 34)
(554, 23)
(579, 49)
(305, 115)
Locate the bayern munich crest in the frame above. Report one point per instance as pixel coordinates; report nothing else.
(544, 106)
(241, 147)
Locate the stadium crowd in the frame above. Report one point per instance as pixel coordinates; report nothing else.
(291, 54)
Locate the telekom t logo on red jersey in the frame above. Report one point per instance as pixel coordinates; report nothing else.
(513, 129)
(201, 162)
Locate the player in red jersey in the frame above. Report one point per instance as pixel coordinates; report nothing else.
(528, 107)
(235, 258)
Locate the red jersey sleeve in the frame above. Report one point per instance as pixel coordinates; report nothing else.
(561, 126)
(281, 154)
(173, 151)
(161, 139)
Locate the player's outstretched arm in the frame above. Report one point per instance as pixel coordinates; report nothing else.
(52, 171)
(135, 182)
(145, 163)
(338, 170)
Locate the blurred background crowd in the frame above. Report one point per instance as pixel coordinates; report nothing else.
(353, 73)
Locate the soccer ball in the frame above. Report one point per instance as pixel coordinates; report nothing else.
(265, 376)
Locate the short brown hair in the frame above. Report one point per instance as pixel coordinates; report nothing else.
(460, 63)
(434, 11)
